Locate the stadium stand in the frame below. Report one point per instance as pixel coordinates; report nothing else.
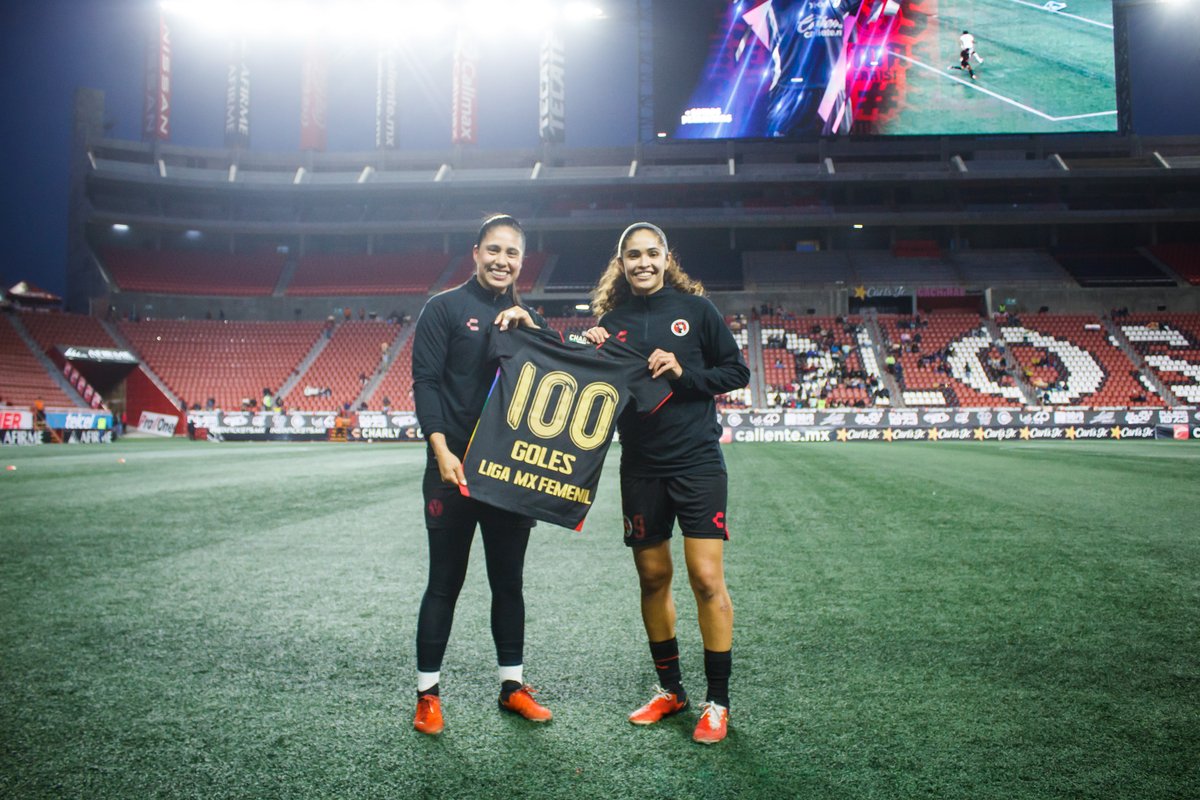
(343, 368)
(911, 265)
(23, 378)
(342, 274)
(1070, 360)
(1182, 257)
(882, 267)
(1006, 267)
(773, 269)
(572, 273)
(396, 385)
(53, 330)
(193, 272)
(1112, 268)
(1170, 345)
(571, 325)
(230, 362)
(947, 359)
(818, 362)
(531, 270)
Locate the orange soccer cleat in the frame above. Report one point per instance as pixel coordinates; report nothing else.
(713, 724)
(429, 714)
(521, 702)
(663, 704)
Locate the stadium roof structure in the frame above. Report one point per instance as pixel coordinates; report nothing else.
(31, 294)
(723, 184)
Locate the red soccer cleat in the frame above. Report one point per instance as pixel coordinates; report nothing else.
(521, 702)
(713, 724)
(663, 704)
(429, 714)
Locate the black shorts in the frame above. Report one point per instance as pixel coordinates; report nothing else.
(651, 506)
(445, 507)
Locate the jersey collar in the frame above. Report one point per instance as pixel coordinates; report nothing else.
(487, 296)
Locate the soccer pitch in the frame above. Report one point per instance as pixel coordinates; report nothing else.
(1048, 67)
(1017, 620)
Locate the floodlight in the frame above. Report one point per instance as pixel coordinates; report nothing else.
(582, 307)
(579, 11)
(120, 227)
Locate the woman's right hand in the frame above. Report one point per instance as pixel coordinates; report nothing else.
(449, 466)
(451, 469)
(596, 335)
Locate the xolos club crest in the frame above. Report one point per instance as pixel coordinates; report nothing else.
(680, 327)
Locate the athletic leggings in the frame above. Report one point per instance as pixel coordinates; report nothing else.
(449, 551)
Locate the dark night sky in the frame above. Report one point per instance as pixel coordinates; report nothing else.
(52, 47)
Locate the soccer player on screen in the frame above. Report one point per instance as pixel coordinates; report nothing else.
(671, 463)
(966, 49)
(451, 378)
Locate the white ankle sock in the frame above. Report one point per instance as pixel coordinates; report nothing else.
(512, 673)
(427, 680)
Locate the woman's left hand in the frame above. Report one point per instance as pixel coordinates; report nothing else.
(513, 318)
(664, 363)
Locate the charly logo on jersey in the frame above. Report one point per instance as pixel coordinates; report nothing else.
(473, 324)
(680, 327)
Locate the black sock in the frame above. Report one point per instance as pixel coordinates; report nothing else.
(717, 667)
(507, 688)
(666, 664)
(435, 690)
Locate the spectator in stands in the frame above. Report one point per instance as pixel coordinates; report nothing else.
(671, 466)
(387, 404)
(450, 395)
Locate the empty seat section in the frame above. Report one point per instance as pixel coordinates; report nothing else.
(23, 378)
(1170, 345)
(227, 361)
(359, 273)
(350, 359)
(1107, 268)
(396, 386)
(531, 268)
(194, 272)
(54, 330)
(1183, 257)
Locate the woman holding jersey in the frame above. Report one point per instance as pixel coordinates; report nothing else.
(671, 462)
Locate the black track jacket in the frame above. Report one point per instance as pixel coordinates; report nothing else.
(683, 436)
(450, 367)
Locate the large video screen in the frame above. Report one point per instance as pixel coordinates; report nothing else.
(728, 69)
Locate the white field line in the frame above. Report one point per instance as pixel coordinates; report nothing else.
(1063, 14)
(997, 95)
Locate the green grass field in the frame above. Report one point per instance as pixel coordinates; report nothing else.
(1042, 72)
(913, 621)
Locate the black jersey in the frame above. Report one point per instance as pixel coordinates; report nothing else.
(541, 440)
(684, 437)
(451, 368)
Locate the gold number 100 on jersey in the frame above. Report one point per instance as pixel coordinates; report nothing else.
(547, 421)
